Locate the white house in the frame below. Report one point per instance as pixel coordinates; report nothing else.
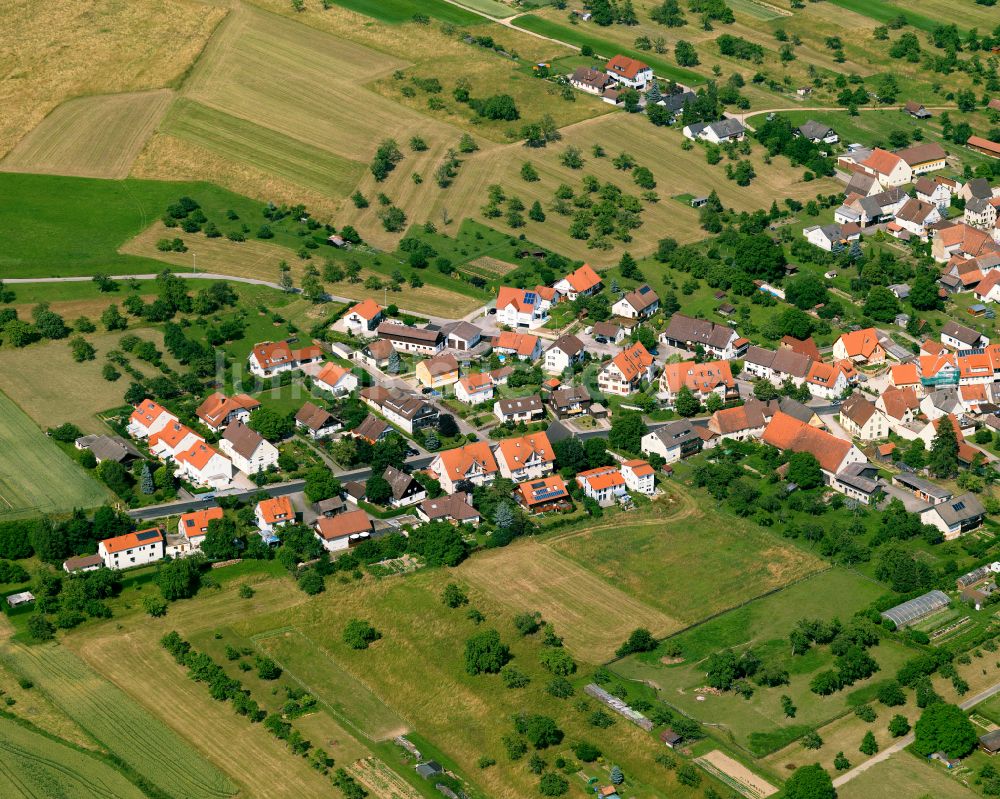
(889, 168)
(862, 419)
(624, 373)
(826, 237)
(817, 132)
(172, 439)
(629, 72)
(638, 304)
(203, 465)
(336, 379)
(955, 516)
(519, 409)
(344, 530)
(148, 417)
(249, 451)
(218, 410)
(269, 358)
(672, 441)
(581, 281)
(564, 352)
(317, 422)
(274, 513)
(474, 388)
(363, 318)
(132, 549)
(960, 337)
(933, 192)
(604, 484)
(980, 213)
(725, 130)
(193, 526)
(523, 346)
(639, 476)
(473, 463)
(521, 308)
(525, 458)
(916, 216)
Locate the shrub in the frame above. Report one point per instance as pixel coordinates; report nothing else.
(360, 634)
(586, 751)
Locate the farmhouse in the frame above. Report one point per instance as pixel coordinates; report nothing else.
(624, 373)
(438, 372)
(889, 168)
(718, 341)
(249, 451)
(672, 441)
(629, 72)
(521, 308)
(922, 158)
(133, 549)
(105, 448)
(363, 318)
(833, 454)
(955, 517)
(581, 282)
(336, 379)
(519, 409)
(777, 365)
(193, 526)
(473, 463)
(345, 530)
(744, 421)
(317, 422)
(639, 304)
(269, 358)
(456, 508)
(862, 419)
(544, 495)
(525, 458)
(564, 352)
(219, 410)
(405, 338)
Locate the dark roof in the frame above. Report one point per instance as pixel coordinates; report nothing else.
(105, 448)
(698, 331)
(676, 433)
(372, 428)
(922, 153)
(642, 298)
(964, 334)
(83, 562)
(980, 187)
(314, 417)
(404, 403)
(675, 102)
(454, 506)
(520, 404)
(565, 397)
(591, 77)
(244, 440)
(399, 481)
(966, 507)
(465, 331)
(725, 128)
(569, 344)
(814, 130)
(391, 330)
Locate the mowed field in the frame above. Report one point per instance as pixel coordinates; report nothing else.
(35, 475)
(97, 137)
(904, 776)
(34, 765)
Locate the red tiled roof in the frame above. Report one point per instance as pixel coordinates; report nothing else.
(195, 523)
(459, 461)
(625, 66)
(787, 432)
(633, 361)
(521, 343)
(132, 540)
(276, 509)
(366, 309)
(516, 451)
(861, 343)
(344, 524)
(585, 278)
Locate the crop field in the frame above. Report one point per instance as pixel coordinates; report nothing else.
(35, 475)
(883, 11)
(262, 148)
(97, 137)
(125, 728)
(759, 724)
(93, 47)
(688, 562)
(587, 611)
(909, 776)
(34, 765)
(758, 9)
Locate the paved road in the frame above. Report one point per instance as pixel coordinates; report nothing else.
(906, 740)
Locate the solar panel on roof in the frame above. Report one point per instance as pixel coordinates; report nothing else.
(146, 535)
(644, 290)
(530, 297)
(539, 484)
(958, 506)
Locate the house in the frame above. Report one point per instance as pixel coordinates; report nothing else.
(718, 341)
(543, 495)
(817, 132)
(900, 407)
(955, 517)
(193, 526)
(829, 381)
(889, 168)
(249, 451)
(438, 372)
(624, 373)
(675, 101)
(923, 158)
(638, 304)
(962, 240)
(800, 346)
(860, 482)
(859, 346)
(744, 421)
(629, 72)
(980, 213)
(108, 448)
(592, 81)
(607, 332)
(519, 409)
(521, 308)
(581, 282)
(402, 408)
(405, 489)
(976, 187)
(330, 506)
(862, 419)
(564, 352)
(830, 238)
(372, 429)
(363, 318)
(405, 338)
(672, 441)
(701, 379)
(933, 192)
(960, 337)
(525, 458)
(778, 365)
(475, 388)
(456, 508)
(473, 463)
(988, 289)
(203, 465)
(172, 439)
(336, 379)
(604, 485)
(345, 530)
(985, 146)
(916, 110)
(461, 335)
(133, 549)
(570, 401)
(639, 476)
(523, 346)
(269, 358)
(317, 422)
(149, 417)
(862, 184)
(83, 563)
(274, 513)
(218, 410)
(916, 216)
(725, 130)
(833, 454)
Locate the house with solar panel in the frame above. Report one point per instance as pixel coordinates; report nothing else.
(916, 609)
(133, 549)
(543, 495)
(955, 517)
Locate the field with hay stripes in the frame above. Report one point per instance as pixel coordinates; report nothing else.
(97, 137)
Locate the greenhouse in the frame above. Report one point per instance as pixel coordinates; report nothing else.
(916, 609)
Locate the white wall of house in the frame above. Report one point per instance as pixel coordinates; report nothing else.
(265, 456)
(137, 556)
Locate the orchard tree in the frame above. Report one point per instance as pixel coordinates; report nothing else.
(944, 728)
(810, 782)
(485, 653)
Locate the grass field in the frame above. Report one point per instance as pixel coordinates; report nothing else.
(35, 475)
(758, 10)
(262, 148)
(689, 561)
(121, 725)
(590, 613)
(883, 11)
(398, 11)
(96, 137)
(907, 777)
(34, 765)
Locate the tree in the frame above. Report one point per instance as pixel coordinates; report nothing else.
(924, 294)
(899, 726)
(377, 490)
(586, 752)
(685, 54)
(447, 426)
(267, 669)
(321, 484)
(868, 744)
(685, 403)
(616, 775)
(485, 653)
(270, 424)
(806, 291)
(311, 582)
(810, 782)
(542, 732)
(891, 694)
(881, 304)
(535, 213)
(840, 762)
(558, 661)
(627, 430)
(146, 484)
(222, 540)
(40, 628)
(360, 634)
(804, 470)
(453, 596)
(112, 319)
(499, 107)
(528, 172)
(640, 640)
(943, 461)
(944, 728)
(179, 579)
(552, 784)
(513, 677)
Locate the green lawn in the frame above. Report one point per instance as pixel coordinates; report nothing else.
(397, 11)
(883, 11)
(579, 37)
(35, 475)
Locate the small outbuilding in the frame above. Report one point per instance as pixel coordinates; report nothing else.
(990, 742)
(20, 598)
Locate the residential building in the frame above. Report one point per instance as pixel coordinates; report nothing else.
(570, 401)
(955, 517)
(376, 353)
(363, 318)
(108, 448)
(274, 513)
(889, 168)
(833, 454)
(607, 332)
(744, 421)
(148, 417)
(981, 214)
(461, 335)
(337, 533)
(639, 476)
(817, 132)
(718, 341)
(859, 346)
(830, 238)
(830, 381)
(405, 338)
(525, 458)
(455, 508)
(924, 157)
(543, 495)
(563, 353)
(405, 489)
(218, 410)
(521, 308)
(605, 485)
(672, 441)
(372, 429)
(701, 379)
(916, 216)
(519, 409)
(193, 526)
(638, 304)
(900, 407)
(862, 419)
(592, 81)
(403, 408)
(475, 388)
(172, 439)
(473, 463)
(270, 358)
(249, 451)
(776, 366)
(725, 130)
(336, 379)
(203, 465)
(581, 282)
(960, 337)
(629, 72)
(316, 421)
(438, 372)
(933, 192)
(523, 346)
(133, 549)
(624, 373)
(860, 482)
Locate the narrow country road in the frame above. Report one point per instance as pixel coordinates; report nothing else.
(906, 740)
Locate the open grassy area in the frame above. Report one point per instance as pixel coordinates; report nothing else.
(883, 11)
(37, 765)
(397, 11)
(95, 137)
(909, 777)
(35, 475)
(262, 148)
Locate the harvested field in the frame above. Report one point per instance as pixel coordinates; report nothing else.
(736, 775)
(488, 266)
(35, 475)
(239, 140)
(381, 780)
(909, 776)
(589, 612)
(95, 137)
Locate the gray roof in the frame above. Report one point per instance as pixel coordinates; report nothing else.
(642, 298)
(565, 397)
(399, 481)
(676, 433)
(689, 330)
(725, 128)
(977, 205)
(861, 477)
(466, 331)
(964, 334)
(964, 508)
(796, 409)
(917, 608)
(244, 440)
(814, 130)
(676, 101)
(401, 402)
(979, 187)
(520, 405)
(860, 183)
(114, 448)
(915, 483)
(850, 213)
(372, 428)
